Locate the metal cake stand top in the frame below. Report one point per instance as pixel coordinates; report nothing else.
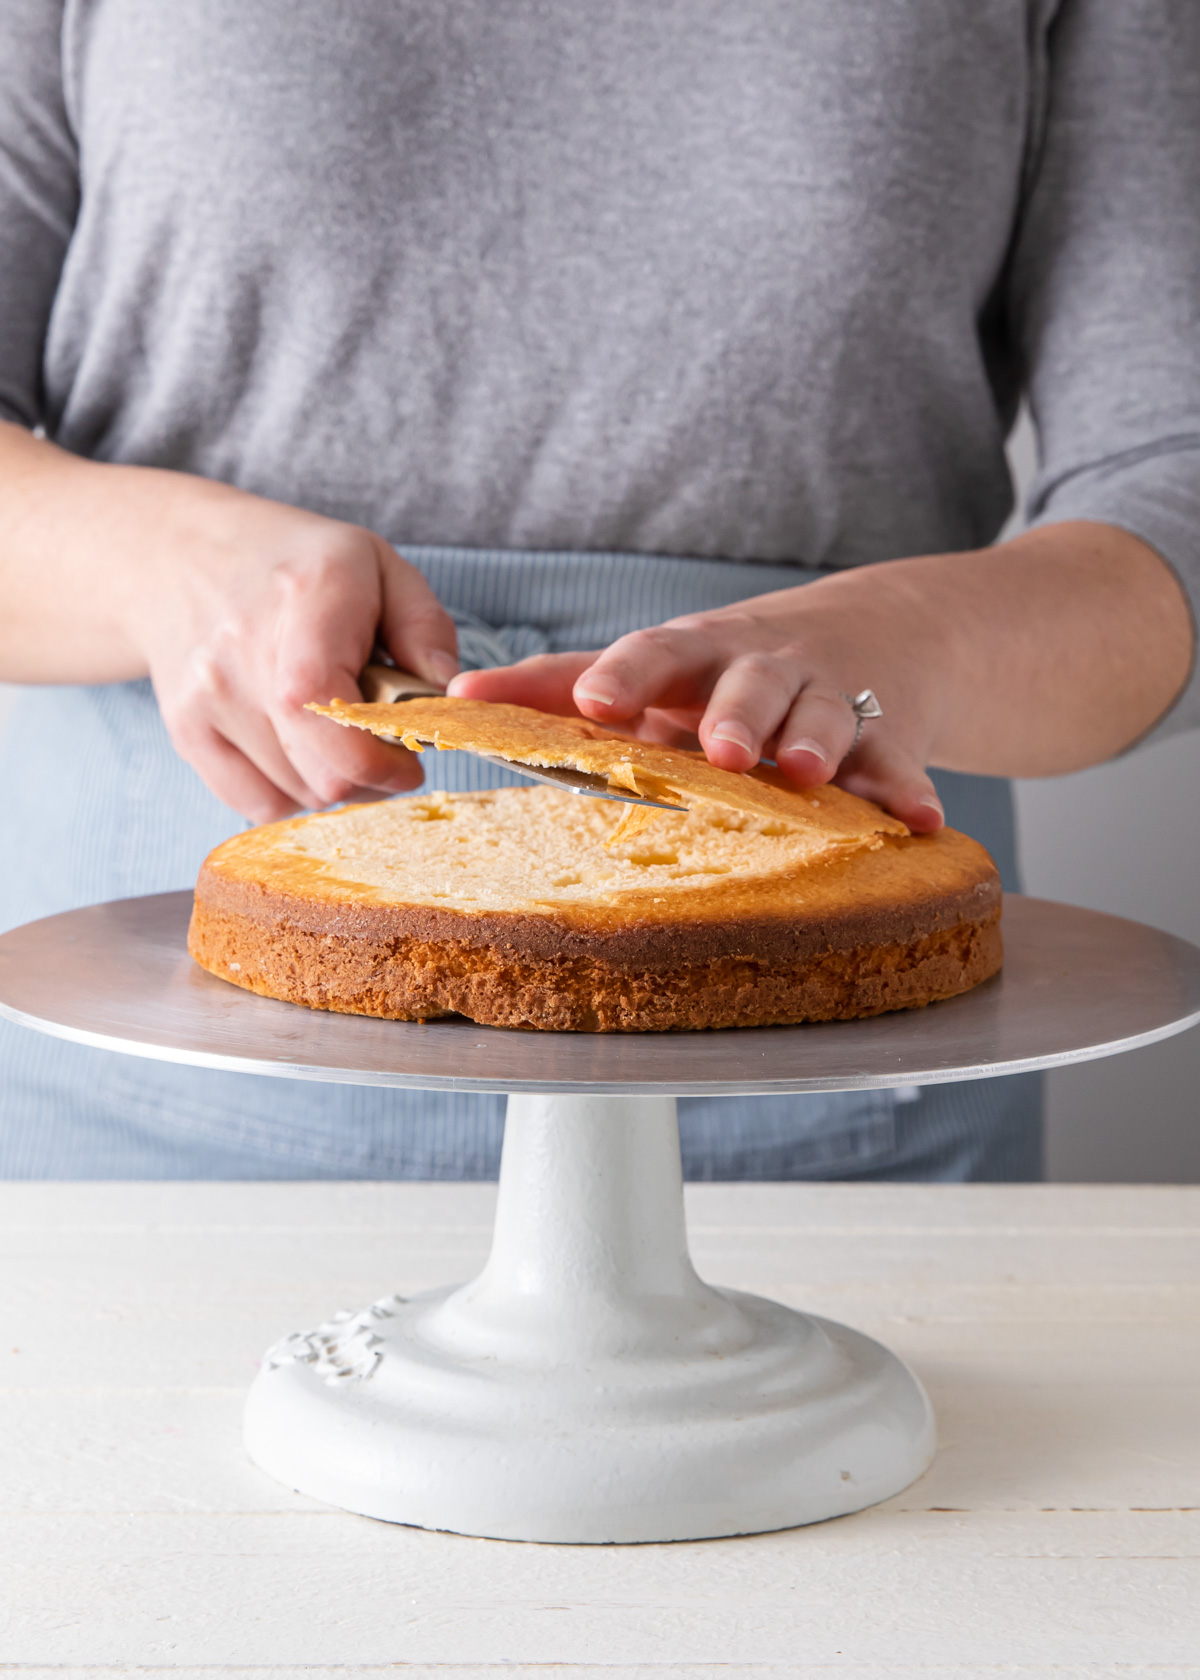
(1076, 985)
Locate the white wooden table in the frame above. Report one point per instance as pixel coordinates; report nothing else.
(1058, 1532)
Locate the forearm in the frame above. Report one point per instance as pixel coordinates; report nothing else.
(1056, 650)
(65, 563)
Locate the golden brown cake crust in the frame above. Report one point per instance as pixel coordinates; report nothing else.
(915, 920)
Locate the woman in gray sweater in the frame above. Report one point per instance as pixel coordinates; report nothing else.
(674, 349)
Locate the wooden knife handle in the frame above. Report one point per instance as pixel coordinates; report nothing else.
(384, 683)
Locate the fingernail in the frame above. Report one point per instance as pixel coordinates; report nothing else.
(806, 744)
(736, 734)
(599, 693)
(934, 805)
(442, 666)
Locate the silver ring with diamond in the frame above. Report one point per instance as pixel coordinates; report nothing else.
(864, 706)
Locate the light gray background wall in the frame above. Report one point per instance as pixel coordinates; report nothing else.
(1124, 838)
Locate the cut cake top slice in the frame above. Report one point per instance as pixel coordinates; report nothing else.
(524, 736)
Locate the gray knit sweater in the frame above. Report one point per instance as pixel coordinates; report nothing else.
(746, 279)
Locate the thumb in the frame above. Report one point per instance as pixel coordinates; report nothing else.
(415, 628)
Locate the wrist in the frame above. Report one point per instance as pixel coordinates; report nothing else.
(62, 623)
(130, 545)
(172, 543)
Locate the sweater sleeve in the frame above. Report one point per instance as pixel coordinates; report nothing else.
(1105, 284)
(39, 196)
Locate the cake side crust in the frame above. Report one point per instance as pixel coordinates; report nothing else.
(898, 893)
(414, 979)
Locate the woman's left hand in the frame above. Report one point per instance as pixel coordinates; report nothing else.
(1038, 656)
(772, 677)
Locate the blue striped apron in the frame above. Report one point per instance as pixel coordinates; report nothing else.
(97, 805)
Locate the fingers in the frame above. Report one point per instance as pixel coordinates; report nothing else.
(815, 740)
(817, 744)
(752, 697)
(891, 774)
(671, 665)
(816, 737)
(235, 780)
(234, 745)
(235, 710)
(231, 744)
(668, 729)
(338, 762)
(544, 682)
(417, 630)
(325, 632)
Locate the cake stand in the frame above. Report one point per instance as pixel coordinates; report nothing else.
(587, 1386)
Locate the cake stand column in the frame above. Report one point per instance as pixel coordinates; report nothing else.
(587, 1386)
(589, 1255)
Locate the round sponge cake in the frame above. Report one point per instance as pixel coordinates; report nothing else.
(526, 907)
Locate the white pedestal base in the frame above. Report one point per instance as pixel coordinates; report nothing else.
(587, 1386)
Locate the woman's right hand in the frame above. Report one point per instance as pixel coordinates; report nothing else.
(239, 609)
